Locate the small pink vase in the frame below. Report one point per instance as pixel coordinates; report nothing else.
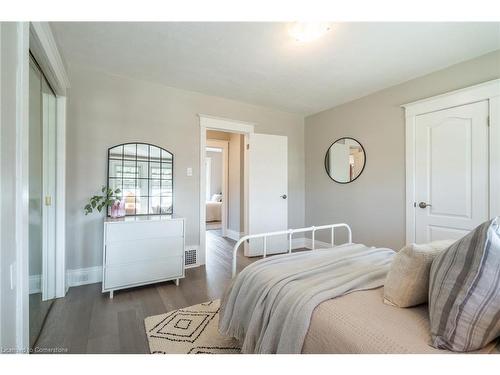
(121, 208)
(115, 210)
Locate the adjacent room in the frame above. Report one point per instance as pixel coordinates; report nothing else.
(250, 187)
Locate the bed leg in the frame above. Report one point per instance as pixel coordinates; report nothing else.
(111, 294)
(177, 282)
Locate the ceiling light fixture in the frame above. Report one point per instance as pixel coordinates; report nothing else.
(308, 31)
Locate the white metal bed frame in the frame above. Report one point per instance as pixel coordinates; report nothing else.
(290, 233)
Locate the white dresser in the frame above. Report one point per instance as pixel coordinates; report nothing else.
(140, 250)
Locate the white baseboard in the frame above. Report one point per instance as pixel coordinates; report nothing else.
(232, 234)
(83, 276)
(35, 284)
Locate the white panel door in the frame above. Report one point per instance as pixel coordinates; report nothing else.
(267, 191)
(451, 183)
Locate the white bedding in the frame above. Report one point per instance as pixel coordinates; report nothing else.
(268, 306)
(213, 211)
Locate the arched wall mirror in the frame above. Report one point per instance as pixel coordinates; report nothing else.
(144, 174)
(345, 160)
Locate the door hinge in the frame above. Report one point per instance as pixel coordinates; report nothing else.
(488, 121)
(48, 200)
(414, 204)
(248, 146)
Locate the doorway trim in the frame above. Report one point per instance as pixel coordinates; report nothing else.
(44, 48)
(208, 122)
(224, 145)
(489, 91)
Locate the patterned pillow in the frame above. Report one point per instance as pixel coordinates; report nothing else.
(407, 282)
(464, 291)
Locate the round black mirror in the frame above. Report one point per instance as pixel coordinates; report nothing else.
(345, 160)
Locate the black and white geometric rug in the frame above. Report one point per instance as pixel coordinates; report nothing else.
(191, 330)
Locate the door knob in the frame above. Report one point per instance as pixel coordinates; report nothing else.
(424, 205)
(284, 196)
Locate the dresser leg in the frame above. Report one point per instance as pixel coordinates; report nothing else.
(111, 295)
(177, 282)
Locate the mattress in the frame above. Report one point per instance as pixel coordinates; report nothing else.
(213, 211)
(361, 323)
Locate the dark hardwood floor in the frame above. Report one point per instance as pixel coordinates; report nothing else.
(87, 321)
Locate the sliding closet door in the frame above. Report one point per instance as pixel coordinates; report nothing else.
(41, 257)
(49, 186)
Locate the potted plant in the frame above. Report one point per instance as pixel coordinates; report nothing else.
(108, 198)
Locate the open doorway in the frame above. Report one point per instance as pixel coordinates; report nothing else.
(257, 197)
(224, 188)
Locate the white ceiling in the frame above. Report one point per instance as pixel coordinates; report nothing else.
(260, 63)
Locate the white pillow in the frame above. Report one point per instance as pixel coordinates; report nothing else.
(407, 282)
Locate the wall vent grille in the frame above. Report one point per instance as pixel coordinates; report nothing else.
(190, 257)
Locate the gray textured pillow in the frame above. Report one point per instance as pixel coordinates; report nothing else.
(407, 282)
(464, 291)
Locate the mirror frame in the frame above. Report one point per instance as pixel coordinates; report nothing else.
(147, 144)
(326, 157)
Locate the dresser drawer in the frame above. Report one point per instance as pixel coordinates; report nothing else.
(137, 230)
(121, 276)
(120, 252)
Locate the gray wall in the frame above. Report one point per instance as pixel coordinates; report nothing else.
(374, 204)
(104, 110)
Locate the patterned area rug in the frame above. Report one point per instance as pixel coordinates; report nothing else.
(192, 330)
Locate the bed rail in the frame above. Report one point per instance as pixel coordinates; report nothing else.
(290, 233)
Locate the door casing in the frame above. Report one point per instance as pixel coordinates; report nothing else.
(208, 122)
(489, 91)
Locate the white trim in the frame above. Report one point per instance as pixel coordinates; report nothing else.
(224, 146)
(495, 156)
(44, 48)
(226, 124)
(485, 91)
(22, 187)
(216, 123)
(84, 276)
(208, 176)
(482, 91)
(35, 284)
(410, 179)
(1, 192)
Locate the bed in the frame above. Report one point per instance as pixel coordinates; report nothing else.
(356, 320)
(361, 323)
